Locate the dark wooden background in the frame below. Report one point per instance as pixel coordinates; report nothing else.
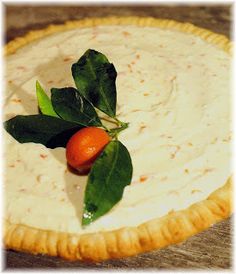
(211, 249)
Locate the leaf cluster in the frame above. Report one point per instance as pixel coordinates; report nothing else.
(68, 110)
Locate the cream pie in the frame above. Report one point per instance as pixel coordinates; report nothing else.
(173, 87)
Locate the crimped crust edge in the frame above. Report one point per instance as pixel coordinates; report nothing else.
(128, 241)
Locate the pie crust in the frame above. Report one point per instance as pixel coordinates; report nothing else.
(157, 233)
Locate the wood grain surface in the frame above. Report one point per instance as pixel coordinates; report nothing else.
(211, 249)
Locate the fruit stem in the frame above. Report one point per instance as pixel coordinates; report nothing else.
(114, 132)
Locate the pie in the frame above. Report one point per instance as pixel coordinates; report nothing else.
(173, 87)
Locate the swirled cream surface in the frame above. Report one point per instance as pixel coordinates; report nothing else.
(173, 89)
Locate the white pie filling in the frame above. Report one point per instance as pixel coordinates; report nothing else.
(174, 90)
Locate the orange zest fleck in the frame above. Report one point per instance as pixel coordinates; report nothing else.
(142, 127)
(66, 59)
(21, 67)
(130, 68)
(126, 33)
(43, 156)
(195, 191)
(207, 170)
(143, 178)
(173, 192)
(16, 100)
(135, 110)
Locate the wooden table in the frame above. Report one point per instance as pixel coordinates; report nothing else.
(211, 249)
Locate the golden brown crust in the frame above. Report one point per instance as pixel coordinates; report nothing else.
(209, 36)
(172, 228)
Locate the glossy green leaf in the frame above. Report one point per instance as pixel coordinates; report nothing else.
(95, 78)
(73, 107)
(110, 173)
(44, 101)
(47, 130)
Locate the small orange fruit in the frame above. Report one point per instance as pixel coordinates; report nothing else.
(85, 146)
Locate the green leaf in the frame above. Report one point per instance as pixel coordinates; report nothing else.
(110, 173)
(47, 130)
(73, 107)
(44, 101)
(95, 78)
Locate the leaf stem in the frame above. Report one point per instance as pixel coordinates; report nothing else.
(114, 132)
(120, 123)
(106, 128)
